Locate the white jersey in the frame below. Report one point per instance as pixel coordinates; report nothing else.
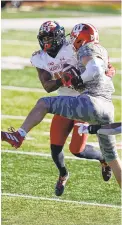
(55, 65)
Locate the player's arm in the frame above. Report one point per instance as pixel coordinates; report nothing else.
(46, 80)
(108, 129)
(110, 72)
(94, 68)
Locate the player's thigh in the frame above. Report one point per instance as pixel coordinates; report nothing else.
(60, 129)
(79, 108)
(83, 107)
(78, 142)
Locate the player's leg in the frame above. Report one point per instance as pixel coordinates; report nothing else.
(59, 131)
(116, 166)
(70, 107)
(36, 115)
(79, 148)
(108, 148)
(82, 107)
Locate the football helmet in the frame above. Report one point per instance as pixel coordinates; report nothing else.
(83, 33)
(51, 36)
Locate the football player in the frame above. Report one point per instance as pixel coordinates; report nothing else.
(49, 63)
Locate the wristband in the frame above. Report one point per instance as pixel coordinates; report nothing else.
(93, 129)
(59, 82)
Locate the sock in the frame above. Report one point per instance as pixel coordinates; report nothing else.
(58, 158)
(90, 153)
(22, 132)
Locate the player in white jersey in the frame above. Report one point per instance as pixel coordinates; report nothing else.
(55, 69)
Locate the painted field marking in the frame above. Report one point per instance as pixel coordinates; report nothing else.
(13, 88)
(21, 118)
(43, 155)
(25, 43)
(60, 200)
(46, 133)
(34, 23)
(26, 89)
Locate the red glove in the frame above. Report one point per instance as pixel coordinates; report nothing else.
(66, 79)
(111, 71)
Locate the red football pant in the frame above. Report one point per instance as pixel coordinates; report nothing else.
(59, 131)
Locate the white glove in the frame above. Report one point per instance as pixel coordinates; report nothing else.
(83, 128)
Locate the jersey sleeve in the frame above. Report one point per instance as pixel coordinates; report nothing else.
(36, 60)
(94, 68)
(95, 51)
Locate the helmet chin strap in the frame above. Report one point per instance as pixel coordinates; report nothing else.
(54, 52)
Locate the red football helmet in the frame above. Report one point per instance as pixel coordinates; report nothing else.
(83, 33)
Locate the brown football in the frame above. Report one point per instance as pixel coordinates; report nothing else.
(71, 70)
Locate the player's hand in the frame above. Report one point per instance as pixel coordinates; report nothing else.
(111, 71)
(67, 79)
(72, 81)
(77, 83)
(83, 128)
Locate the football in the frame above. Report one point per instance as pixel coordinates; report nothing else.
(71, 75)
(67, 68)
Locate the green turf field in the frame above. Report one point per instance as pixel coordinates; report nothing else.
(31, 175)
(66, 10)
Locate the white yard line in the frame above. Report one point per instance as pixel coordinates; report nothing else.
(115, 60)
(13, 61)
(21, 118)
(94, 144)
(34, 24)
(26, 89)
(40, 154)
(60, 200)
(25, 43)
(44, 155)
(17, 62)
(30, 43)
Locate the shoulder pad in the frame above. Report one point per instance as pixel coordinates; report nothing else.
(36, 59)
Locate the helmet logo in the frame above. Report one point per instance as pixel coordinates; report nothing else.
(76, 30)
(49, 26)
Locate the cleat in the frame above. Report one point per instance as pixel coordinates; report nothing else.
(106, 171)
(60, 186)
(13, 138)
